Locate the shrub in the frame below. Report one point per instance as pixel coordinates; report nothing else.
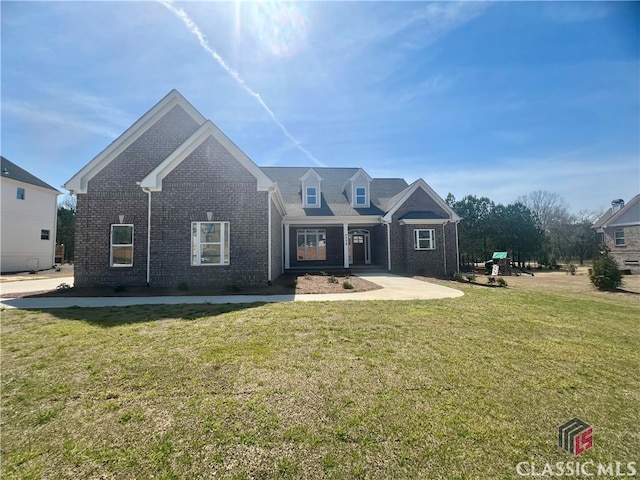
(293, 284)
(64, 287)
(120, 289)
(471, 278)
(323, 273)
(307, 276)
(571, 269)
(457, 276)
(491, 280)
(233, 288)
(347, 285)
(183, 286)
(332, 279)
(605, 274)
(501, 282)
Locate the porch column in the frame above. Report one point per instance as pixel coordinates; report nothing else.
(345, 230)
(287, 262)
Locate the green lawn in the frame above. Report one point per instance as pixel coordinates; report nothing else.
(457, 388)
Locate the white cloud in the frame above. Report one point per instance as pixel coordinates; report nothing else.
(36, 113)
(571, 12)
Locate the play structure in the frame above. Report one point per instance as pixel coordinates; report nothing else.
(501, 264)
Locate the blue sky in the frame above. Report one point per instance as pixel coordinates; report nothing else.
(496, 99)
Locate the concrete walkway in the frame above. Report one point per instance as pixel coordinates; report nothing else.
(11, 287)
(394, 288)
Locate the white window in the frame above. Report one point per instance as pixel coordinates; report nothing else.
(618, 237)
(121, 245)
(312, 196)
(312, 244)
(424, 239)
(20, 193)
(361, 196)
(44, 234)
(210, 243)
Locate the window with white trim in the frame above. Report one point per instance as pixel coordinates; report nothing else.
(311, 196)
(121, 245)
(361, 196)
(44, 234)
(618, 237)
(209, 243)
(312, 244)
(424, 239)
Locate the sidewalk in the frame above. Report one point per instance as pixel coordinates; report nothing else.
(394, 287)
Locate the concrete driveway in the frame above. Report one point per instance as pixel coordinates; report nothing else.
(394, 287)
(11, 287)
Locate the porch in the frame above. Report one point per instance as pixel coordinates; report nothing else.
(330, 247)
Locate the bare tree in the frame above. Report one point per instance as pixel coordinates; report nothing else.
(549, 208)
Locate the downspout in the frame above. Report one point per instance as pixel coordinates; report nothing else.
(444, 249)
(457, 250)
(144, 189)
(388, 225)
(269, 240)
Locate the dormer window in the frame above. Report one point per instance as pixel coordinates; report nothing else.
(311, 189)
(357, 189)
(312, 196)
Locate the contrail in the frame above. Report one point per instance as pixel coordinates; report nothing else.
(193, 28)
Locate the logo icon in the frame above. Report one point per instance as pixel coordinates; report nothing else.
(575, 436)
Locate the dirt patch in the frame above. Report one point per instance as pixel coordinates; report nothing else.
(562, 281)
(288, 284)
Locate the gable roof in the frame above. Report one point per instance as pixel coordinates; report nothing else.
(397, 200)
(627, 215)
(14, 172)
(334, 200)
(78, 183)
(153, 181)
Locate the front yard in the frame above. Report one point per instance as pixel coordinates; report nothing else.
(456, 388)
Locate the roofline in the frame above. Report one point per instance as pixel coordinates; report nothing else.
(48, 188)
(153, 181)
(420, 183)
(332, 220)
(79, 182)
(611, 221)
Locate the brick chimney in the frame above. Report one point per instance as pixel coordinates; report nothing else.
(616, 205)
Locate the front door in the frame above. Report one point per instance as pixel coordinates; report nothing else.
(358, 249)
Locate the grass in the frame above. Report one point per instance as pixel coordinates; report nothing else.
(457, 388)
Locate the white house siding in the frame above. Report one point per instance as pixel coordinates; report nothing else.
(21, 224)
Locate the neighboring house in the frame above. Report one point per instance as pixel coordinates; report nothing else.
(619, 229)
(28, 220)
(173, 200)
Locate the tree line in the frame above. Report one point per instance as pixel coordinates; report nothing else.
(536, 227)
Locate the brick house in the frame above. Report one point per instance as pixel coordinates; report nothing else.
(174, 200)
(619, 229)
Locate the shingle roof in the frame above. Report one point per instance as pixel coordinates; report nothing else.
(14, 172)
(334, 199)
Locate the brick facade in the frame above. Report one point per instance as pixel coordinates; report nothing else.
(210, 179)
(629, 254)
(405, 258)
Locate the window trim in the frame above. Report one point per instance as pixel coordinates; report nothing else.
(43, 234)
(364, 196)
(18, 191)
(616, 238)
(225, 242)
(111, 245)
(308, 195)
(311, 231)
(417, 239)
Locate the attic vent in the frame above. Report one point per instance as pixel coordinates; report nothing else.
(5, 171)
